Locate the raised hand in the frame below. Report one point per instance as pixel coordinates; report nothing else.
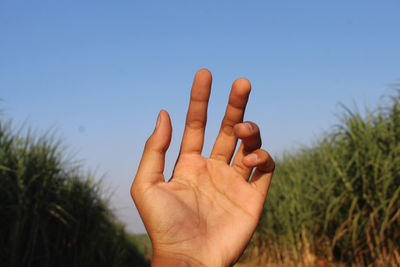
(206, 214)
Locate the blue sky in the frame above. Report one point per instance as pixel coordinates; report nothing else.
(99, 71)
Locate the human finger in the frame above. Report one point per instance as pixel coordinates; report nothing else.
(193, 136)
(226, 141)
(151, 165)
(249, 133)
(265, 166)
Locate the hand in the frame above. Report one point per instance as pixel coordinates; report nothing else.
(206, 214)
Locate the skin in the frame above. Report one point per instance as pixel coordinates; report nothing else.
(208, 211)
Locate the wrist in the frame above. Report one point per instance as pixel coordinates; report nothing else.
(166, 259)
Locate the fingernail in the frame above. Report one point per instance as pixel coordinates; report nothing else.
(158, 120)
(249, 126)
(252, 158)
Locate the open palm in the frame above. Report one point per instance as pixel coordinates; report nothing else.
(206, 214)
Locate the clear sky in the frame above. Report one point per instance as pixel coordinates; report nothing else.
(99, 71)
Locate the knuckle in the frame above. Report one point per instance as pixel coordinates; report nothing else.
(134, 189)
(227, 129)
(264, 153)
(219, 156)
(243, 170)
(267, 164)
(227, 124)
(148, 143)
(270, 163)
(252, 146)
(195, 124)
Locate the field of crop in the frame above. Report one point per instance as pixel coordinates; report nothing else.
(337, 201)
(52, 214)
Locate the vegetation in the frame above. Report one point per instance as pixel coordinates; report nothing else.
(338, 200)
(53, 215)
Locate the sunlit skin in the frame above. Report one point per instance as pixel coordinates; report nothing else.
(207, 212)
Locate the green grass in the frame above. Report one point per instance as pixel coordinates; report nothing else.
(53, 214)
(337, 200)
(340, 198)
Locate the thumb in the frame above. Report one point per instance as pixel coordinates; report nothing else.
(151, 166)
